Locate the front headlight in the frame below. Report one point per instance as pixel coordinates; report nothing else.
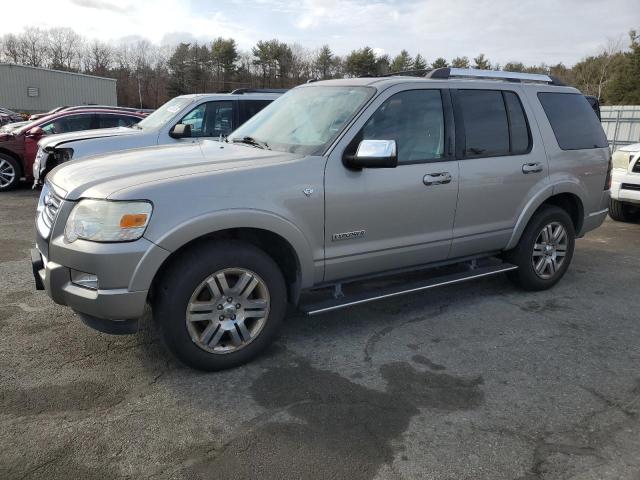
(106, 221)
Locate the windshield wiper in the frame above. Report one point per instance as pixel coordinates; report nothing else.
(251, 141)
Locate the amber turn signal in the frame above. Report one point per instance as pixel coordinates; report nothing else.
(133, 221)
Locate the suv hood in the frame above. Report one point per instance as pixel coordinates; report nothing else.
(60, 138)
(101, 176)
(630, 148)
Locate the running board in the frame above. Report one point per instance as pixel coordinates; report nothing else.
(417, 286)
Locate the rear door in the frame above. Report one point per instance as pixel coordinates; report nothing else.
(381, 219)
(502, 165)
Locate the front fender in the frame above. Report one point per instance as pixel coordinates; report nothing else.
(200, 226)
(565, 186)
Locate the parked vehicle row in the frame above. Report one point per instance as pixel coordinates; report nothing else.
(186, 118)
(333, 184)
(18, 146)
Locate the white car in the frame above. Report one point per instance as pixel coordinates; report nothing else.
(625, 186)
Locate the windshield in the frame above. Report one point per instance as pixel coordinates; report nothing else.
(163, 114)
(305, 120)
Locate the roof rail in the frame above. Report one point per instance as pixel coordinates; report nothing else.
(446, 73)
(240, 91)
(420, 71)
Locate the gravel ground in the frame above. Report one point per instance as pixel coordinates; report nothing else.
(475, 381)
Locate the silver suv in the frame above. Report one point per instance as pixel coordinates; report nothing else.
(333, 184)
(184, 119)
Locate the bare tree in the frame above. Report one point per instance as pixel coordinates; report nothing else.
(64, 48)
(99, 58)
(33, 47)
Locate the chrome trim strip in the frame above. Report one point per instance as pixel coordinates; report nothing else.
(599, 212)
(410, 290)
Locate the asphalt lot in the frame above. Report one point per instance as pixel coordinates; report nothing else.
(475, 381)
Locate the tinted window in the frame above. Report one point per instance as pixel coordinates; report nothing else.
(485, 122)
(210, 119)
(573, 122)
(415, 120)
(72, 123)
(518, 127)
(111, 121)
(248, 108)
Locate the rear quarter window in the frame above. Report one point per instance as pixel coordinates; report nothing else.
(572, 120)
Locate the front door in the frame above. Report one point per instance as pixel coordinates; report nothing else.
(389, 218)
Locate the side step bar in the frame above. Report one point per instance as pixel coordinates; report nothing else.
(417, 286)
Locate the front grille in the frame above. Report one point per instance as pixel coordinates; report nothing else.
(48, 211)
(630, 186)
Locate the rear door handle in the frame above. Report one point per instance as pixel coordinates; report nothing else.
(436, 178)
(531, 168)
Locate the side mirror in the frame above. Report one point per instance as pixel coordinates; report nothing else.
(35, 132)
(181, 130)
(374, 154)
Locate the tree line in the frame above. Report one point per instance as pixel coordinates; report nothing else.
(148, 74)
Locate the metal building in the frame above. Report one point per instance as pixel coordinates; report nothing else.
(621, 123)
(32, 89)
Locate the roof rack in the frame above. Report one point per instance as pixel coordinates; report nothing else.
(518, 77)
(240, 91)
(420, 72)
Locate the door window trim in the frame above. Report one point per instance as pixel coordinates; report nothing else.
(461, 137)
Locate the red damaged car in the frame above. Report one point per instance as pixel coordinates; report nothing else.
(18, 148)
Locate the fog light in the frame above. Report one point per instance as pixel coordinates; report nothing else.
(86, 280)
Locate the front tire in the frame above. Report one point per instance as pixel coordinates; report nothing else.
(622, 212)
(9, 173)
(544, 251)
(220, 304)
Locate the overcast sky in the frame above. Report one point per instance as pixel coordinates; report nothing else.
(531, 31)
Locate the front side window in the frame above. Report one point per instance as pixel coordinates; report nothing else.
(415, 120)
(210, 119)
(306, 119)
(572, 120)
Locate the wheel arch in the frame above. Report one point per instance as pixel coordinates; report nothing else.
(566, 196)
(279, 239)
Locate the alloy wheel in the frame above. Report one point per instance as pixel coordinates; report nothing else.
(7, 173)
(550, 250)
(228, 310)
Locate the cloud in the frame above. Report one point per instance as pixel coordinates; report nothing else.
(100, 5)
(531, 31)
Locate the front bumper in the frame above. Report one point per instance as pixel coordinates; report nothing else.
(110, 310)
(627, 195)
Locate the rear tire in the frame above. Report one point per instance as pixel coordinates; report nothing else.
(220, 304)
(9, 173)
(623, 212)
(544, 251)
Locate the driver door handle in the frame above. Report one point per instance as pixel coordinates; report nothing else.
(436, 178)
(531, 168)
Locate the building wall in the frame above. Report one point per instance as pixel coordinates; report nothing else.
(621, 123)
(54, 89)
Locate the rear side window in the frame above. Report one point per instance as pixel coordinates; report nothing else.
(248, 108)
(572, 120)
(518, 128)
(485, 123)
(111, 121)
